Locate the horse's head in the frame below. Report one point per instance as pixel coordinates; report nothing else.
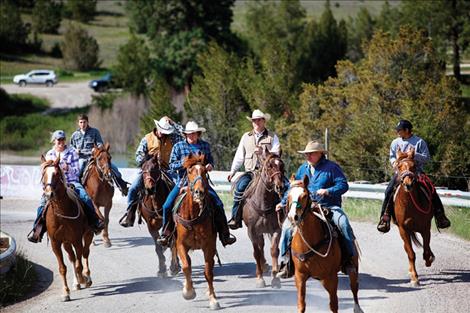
(298, 200)
(273, 171)
(52, 177)
(151, 173)
(406, 168)
(197, 177)
(103, 160)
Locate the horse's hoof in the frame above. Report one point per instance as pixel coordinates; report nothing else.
(89, 282)
(276, 283)
(357, 308)
(189, 294)
(174, 270)
(265, 267)
(260, 283)
(77, 287)
(414, 283)
(162, 274)
(214, 305)
(430, 260)
(107, 244)
(65, 298)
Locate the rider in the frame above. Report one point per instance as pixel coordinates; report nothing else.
(251, 146)
(192, 144)
(405, 141)
(327, 183)
(159, 141)
(69, 165)
(83, 140)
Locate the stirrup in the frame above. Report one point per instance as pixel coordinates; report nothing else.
(233, 224)
(124, 221)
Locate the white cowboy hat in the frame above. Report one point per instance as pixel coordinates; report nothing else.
(192, 127)
(313, 146)
(258, 114)
(164, 126)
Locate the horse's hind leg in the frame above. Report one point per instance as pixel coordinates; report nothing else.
(107, 241)
(159, 251)
(62, 268)
(354, 284)
(209, 254)
(331, 285)
(411, 256)
(188, 289)
(175, 266)
(77, 266)
(428, 256)
(275, 282)
(87, 239)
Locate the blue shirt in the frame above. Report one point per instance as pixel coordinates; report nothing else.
(421, 150)
(182, 149)
(328, 175)
(85, 142)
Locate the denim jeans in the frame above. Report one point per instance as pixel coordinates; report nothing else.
(133, 193)
(242, 183)
(83, 162)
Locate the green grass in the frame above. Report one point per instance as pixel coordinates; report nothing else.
(465, 90)
(17, 282)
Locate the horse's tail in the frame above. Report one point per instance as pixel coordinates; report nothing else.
(358, 249)
(415, 239)
(98, 212)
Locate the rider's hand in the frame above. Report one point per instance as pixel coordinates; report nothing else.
(229, 177)
(209, 167)
(278, 207)
(322, 192)
(258, 150)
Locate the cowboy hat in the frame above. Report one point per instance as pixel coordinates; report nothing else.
(164, 126)
(258, 114)
(313, 146)
(192, 127)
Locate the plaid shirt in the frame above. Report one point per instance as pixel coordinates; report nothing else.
(70, 157)
(86, 141)
(183, 149)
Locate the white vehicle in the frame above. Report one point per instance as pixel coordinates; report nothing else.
(36, 77)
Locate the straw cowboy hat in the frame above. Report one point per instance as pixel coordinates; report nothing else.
(192, 127)
(258, 114)
(164, 126)
(313, 146)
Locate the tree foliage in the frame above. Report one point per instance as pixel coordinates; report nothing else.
(79, 49)
(47, 16)
(81, 10)
(13, 32)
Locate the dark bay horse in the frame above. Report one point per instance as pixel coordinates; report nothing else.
(260, 216)
(66, 225)
(316, 252)
(156, 190)
(413, 212)
(194, 227)
(98, 183)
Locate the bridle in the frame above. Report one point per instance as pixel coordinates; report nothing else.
(152, 175)
(267, 179)
(52, 184)
(406, 173)
(101, 171)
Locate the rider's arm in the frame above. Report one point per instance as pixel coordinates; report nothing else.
(141, 152)
(340, 183)
(238, 158)
(276, 145)
(176, 161)
(393, 152)
(98, 139)
(422, 152)
(209, 158)
(72, 163)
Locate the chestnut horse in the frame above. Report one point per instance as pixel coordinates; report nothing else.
(156, 190)
(195, 228)
(66, 225)
(260, 216)
(316, 251)
(98, 182)
(413, 212)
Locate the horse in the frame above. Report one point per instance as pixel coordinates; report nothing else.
(315, 250)
(150, 208)
(195, 228)
(66, 226)
(98, 183)
(413, 211)
(260, 216)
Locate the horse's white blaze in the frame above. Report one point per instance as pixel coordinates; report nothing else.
(50, 172)
(294, 194)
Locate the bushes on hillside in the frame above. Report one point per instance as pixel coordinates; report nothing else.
(47, 16)
(80, 10)
(13, 32)
(80, 50)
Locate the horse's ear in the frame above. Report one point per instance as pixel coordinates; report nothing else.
(43, 159)
(400, 154)
(411, 153)
(107, 146)
(57, 161)
(306, 181)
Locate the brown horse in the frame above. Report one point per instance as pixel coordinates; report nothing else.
(156, 189)
(66, 225)
(195, 228)
(316, 252)
(413, 212)
(98, 183)
(260, 216)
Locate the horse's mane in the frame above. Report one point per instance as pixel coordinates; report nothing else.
(193, 159)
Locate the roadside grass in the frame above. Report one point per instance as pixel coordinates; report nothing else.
(362, 210)
(17, 282)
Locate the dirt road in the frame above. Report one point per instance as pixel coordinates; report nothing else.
(124, 276)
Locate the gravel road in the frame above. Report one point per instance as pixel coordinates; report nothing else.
(124, 276)
(62, 95)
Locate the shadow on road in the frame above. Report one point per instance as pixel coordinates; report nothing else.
(446, 277)
(127, 242)
(142, 284)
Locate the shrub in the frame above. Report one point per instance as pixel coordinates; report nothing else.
(80, 50)
(20, 104)
(47, 16)
(17, 281)
(13, 32)
(81, 10)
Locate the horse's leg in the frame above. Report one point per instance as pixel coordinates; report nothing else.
(175, 266)
(62, 268)
(87, 240)
(107, 242)
(158, 249)
(275, 282)
(77, 270)
(354, 284)
(209, 254)
(188, 290)
(258, 253)
(331, 285)
(428, 256)
(78, 245)
(411, 256)
(301, 284)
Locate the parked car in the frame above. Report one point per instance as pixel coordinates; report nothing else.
(36, 77)
(101, 84)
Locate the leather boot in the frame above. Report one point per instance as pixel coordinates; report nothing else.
(287, 269)
(384, 224)
(167, 231)
(121, 184)
(128, 218)
(222, 228)
(36, 234)
(441, 220)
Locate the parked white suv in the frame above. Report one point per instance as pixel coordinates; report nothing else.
(36, 77)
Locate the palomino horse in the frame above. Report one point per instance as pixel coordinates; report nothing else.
(413, 211)
(66, 225)
(260, 217)
(156, 190)
(316, 252)
(98, 183)
(195, 228)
